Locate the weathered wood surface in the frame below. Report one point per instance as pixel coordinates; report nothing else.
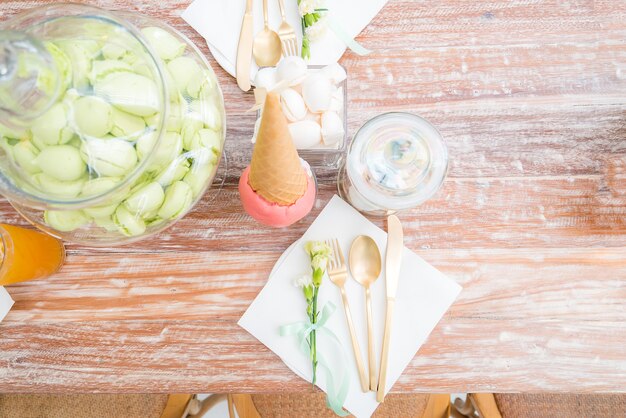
(530, 96)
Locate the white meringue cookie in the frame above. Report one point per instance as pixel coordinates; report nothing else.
(293, 105)
(332, 128)
(317, 91)
(335, 73)
(336, 101)
(292, 69)
(265, 78)
(305, 134)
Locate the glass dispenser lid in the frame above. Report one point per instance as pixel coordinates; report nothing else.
(397, 161)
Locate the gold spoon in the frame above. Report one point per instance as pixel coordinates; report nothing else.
(266, 48)
(365, 266)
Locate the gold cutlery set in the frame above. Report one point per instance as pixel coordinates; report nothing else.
(267, 46)
(365, 267)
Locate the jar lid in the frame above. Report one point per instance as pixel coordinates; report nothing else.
(397, 160)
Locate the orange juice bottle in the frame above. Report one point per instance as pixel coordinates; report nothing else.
(26, 254)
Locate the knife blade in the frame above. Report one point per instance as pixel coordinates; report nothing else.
(244, 49)
(395, 246)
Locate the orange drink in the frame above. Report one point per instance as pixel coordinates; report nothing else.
(26, 254)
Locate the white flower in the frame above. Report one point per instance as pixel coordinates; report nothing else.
(317, 31)
(303, 281)
(314, 248)
(319, 262)
(308, 6)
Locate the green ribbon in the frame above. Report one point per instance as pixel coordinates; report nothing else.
(343, 36)
(335, 396)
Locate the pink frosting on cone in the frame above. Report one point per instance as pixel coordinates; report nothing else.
(272, 214)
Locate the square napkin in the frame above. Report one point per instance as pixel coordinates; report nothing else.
(5, 303)
(424, 295)
(219, 22)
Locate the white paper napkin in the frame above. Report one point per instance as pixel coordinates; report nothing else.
(5, 303)
(219, 22)
(424, 295)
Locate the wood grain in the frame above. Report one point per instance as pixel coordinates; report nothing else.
(529, 96)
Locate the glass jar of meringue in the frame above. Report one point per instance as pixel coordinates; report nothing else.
(314, 101)
(396, 161)
(111, 124)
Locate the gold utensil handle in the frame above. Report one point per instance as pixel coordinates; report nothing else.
(355, 342)
(244, 49)
(370, 340)
(281, 4)
(382, 377)
(265, 18)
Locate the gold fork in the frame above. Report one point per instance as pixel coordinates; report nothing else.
(338, 274)
(286, 34)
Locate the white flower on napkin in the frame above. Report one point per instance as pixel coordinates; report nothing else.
(306, 7)
(314, 248)
(303, 281)
(319, 262)
(313, 24)
(319, 252)
(317, 31)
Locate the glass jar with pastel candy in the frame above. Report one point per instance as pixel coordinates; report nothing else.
(112, 125)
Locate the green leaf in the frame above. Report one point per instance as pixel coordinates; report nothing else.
(318, 274)
(308, 292)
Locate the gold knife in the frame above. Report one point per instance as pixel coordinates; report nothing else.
(395, 246)
(244, 50)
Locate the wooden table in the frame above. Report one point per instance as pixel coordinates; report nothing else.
(530, 96)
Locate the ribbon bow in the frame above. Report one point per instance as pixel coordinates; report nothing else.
(335, 396)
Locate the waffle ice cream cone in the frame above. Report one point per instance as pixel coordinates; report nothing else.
(276, 173)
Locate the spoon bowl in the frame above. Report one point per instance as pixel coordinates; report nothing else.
(267, 47)
(365, 261)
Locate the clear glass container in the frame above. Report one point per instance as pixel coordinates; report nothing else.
(111, 124)
(396, 161)
(324, 157)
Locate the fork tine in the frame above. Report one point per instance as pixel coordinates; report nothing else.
(286, 46)
(294, 47)
(339, 253)
(332, 258)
